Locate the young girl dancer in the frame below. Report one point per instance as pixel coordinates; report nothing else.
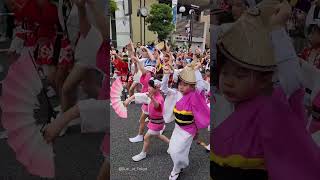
(147, 70)
(260, 131)
(155, 103)
(188, 107)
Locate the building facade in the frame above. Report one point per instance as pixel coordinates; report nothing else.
(127, 25)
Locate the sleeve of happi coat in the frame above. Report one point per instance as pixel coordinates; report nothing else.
(289, 71)
(200, 110)
(141, 98)
(289, 151)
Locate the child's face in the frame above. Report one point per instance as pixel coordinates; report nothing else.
(184, 88)
(239, 84)
(151, 90)
(144, 53)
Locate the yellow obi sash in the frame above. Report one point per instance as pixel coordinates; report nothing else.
(183, 118)
(238, 161)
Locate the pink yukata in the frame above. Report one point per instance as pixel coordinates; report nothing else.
(191, 113)
(156, 122)
(265, 137)
(144, 80)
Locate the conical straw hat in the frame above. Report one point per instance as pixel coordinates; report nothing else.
(187, 75)
(248, 41)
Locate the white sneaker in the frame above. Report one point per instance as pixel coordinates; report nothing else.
(164, 127)
(138, 138)
(146, 120)
(139, 157)
(174, 175)
(3, 135)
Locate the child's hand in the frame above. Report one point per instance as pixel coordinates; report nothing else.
(150, 95)
(281, 15)
(130, 46)
(126, 102)
(52, 131)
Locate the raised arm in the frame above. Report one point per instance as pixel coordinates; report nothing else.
(100, 17)
(83, 18)
(287, 60)
(200, 83)
(165, 80)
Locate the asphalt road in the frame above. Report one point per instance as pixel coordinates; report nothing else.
(158, 163)
(78, 156)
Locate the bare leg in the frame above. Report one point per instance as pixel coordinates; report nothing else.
(104, 173)
(164, 138)
(132, 88)
(142, 122)
(51, 76)
(92, 83)
(62, 74)
(146, 143)
(129, 84)
(68, 97)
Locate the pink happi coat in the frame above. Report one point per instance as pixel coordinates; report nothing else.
(195, 101)
(156, 113)
(271, 128)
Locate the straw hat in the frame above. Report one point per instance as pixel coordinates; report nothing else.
(160, 45)
(248, 41)
(187, 75)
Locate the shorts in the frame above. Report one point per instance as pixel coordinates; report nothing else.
(152, 132)
(87, 49)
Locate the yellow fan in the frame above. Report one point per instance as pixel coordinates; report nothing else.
(160, 45)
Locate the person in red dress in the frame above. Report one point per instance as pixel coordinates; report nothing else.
(37, 26)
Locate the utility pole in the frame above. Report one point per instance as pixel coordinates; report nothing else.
(140, 23)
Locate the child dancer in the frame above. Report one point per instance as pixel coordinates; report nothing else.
(147, 70)
(263, 136)
(188, 107)
(155, 103)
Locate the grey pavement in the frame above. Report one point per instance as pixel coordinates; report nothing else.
(158, 164)
(78, 156)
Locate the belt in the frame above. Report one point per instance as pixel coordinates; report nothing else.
(157, 121)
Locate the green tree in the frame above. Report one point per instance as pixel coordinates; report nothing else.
(160, 20)
(113, 6)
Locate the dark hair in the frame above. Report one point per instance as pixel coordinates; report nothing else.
(151, 83)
